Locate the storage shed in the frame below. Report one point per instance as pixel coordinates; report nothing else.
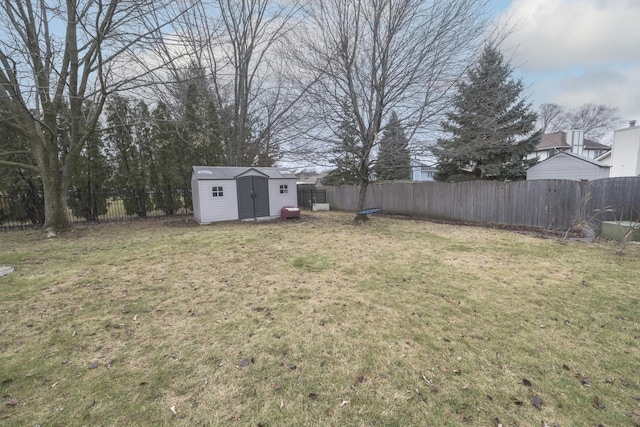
(229, 193)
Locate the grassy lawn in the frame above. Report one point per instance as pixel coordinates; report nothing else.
(317, 322)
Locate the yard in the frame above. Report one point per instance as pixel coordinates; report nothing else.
(317, 321)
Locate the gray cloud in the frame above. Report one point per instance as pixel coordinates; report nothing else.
(572, 52)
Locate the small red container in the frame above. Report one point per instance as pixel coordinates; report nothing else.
(289, 212)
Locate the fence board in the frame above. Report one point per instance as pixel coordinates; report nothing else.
(553, 204)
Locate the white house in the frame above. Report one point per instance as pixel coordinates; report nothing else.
(230, 193)
(625, 155)
(421, 171)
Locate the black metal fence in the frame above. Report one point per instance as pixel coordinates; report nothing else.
(21, 211)
(308, 194)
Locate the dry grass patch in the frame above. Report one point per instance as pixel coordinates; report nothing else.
(316, 322)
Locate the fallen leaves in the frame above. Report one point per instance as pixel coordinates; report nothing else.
(536, 401)
(584, 380)
(246, 362)
(12, 402)
(597, 403)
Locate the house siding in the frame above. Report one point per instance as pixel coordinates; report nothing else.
(566, 167)
(625, 156)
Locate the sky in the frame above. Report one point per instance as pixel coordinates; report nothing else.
(572, 52)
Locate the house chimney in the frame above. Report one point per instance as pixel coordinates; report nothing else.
(575, 139)
(632, 123)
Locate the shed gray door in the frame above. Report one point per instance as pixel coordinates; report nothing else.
(253, 196)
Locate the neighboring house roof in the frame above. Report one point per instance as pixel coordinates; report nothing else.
(567, 165)
(604, 158)
(310, 178)
(559, 140)
(231, 172)
(583, 158)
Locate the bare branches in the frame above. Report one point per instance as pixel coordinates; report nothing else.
(384, 55)
(594, 120)
(58, 55)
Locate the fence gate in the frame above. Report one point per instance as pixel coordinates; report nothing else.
(309, 194)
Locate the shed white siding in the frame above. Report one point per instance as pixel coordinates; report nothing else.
(195, 196)
(625, 156)
(278, 200)
(568, 166)
(217, 208)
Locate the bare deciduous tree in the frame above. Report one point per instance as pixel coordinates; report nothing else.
(67, 55)
(594, 120)
(236, 43)
(551, 117)
(382, 55)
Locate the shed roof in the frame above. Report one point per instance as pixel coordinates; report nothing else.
(231, 172)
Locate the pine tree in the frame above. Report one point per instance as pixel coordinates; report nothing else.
(394, 158)
(491, 125)
(346, 153)
(89, 195)
(129, 137)
(165, 177)
(21, 195)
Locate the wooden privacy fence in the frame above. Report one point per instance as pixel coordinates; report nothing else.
(553, 204)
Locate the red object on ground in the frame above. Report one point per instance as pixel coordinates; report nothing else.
(289, 212)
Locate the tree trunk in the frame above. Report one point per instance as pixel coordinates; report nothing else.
(56, 213)
(362, 193)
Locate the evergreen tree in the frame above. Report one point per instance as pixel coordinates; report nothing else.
(128, 135)
(90, 185)
(346, 154)
(166, 162)
(491, 125)
(21, 193)
(89, 195)
(394, 158)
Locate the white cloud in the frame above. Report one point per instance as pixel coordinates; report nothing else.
(576, 51)
(564, 33)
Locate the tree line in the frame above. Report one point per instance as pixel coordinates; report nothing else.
(130, 94)
(140, 152)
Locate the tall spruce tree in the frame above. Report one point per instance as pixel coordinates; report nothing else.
(394, 158)
(492, 126)
(347, 152)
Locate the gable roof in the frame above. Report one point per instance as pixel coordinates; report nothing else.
(559, 140)
(575, 156)
(231, 172)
